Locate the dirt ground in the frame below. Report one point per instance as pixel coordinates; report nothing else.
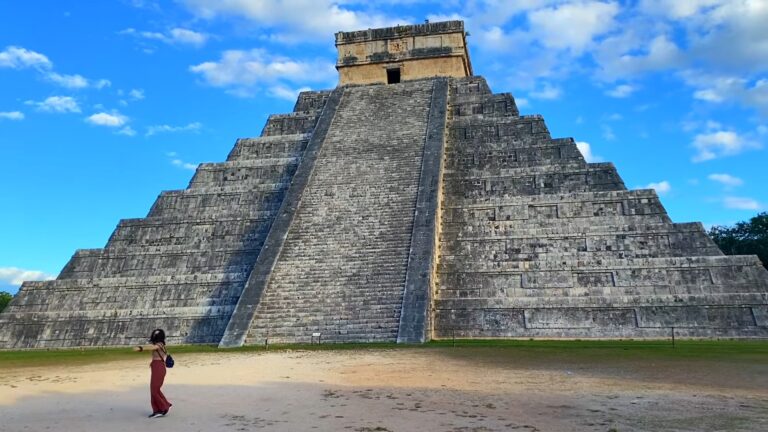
(437, 389)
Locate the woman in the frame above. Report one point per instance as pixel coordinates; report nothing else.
(160, 404)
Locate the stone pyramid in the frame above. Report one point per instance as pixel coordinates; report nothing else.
(409, 203)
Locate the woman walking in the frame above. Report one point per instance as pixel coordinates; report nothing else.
(160, 404)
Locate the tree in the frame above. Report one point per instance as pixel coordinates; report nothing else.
(5, 298)
(744, 238)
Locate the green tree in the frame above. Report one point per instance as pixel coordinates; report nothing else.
(744, 238)
(5, 298)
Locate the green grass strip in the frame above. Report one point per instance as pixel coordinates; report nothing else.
(735, 350)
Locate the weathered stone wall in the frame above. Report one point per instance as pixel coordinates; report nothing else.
(342, 268)
(182, 267)
(409, 70)
(420, 51)
(536, 242)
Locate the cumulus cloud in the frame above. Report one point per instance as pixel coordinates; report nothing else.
(185, 165)
(127, 131)
(287, 93)
(729, 89)
(16, 276)
(573, 26)
(726, 180)
(676, 9)
(20, 58)
(295, 20)
(660, 53)
(621, 91)
(245, 72)
(174, 36)
(68, 81)
(11, 115)
(136, 94)
(177, 162)
(114, 119)
(546, 92)
(57, 104)
(741, 203)
(586, 150)
(156, 129)
(712, 145)
(662, 188)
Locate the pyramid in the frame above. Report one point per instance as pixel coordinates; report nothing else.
(409, 203)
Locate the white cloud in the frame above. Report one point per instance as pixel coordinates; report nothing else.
(547, 92)
(136, 94)
(115, 119)
(100, 84)
(586, 150)
(522, 102)
(283, 92)
(20, 58)
(729, 88)
(620, 59)
(127, 131)
(573, 26)
(175, 36)
(621, 91)
(244, 72)
(676, 9)
(731, 36)
(741, 203)
(185, 165)
(709, 95)
(726, 180)
(713, 145)
(186, 36)
(175, 161)
(68, 81)
(57, 104)
(12, 115)
(295, 20)
(191, 127)
(662, 188)
(16, 276)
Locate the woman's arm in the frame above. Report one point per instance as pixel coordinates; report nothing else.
(145, 348)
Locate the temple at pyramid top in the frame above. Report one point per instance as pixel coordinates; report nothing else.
(393, 54)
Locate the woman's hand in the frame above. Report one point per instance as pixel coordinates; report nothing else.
(138, 348)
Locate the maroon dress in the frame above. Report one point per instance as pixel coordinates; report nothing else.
(159, 402)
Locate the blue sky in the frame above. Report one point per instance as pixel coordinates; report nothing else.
(105, 104)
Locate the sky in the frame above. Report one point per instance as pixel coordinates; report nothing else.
(105, 104)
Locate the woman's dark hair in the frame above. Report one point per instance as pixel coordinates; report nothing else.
(158, 336)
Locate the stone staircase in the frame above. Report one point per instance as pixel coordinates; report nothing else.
(535, 242)
(342, 268)
(183, 267)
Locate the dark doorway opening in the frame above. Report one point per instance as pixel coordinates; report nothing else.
(393, 76)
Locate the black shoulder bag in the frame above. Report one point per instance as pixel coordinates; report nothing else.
(168, 359)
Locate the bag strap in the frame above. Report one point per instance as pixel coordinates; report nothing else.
(161, 350)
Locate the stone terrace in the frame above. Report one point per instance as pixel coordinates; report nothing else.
(536, 242)
(182, 267)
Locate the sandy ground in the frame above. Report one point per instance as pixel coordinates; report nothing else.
(478, 389)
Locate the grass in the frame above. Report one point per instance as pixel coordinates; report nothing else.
(732, 350)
